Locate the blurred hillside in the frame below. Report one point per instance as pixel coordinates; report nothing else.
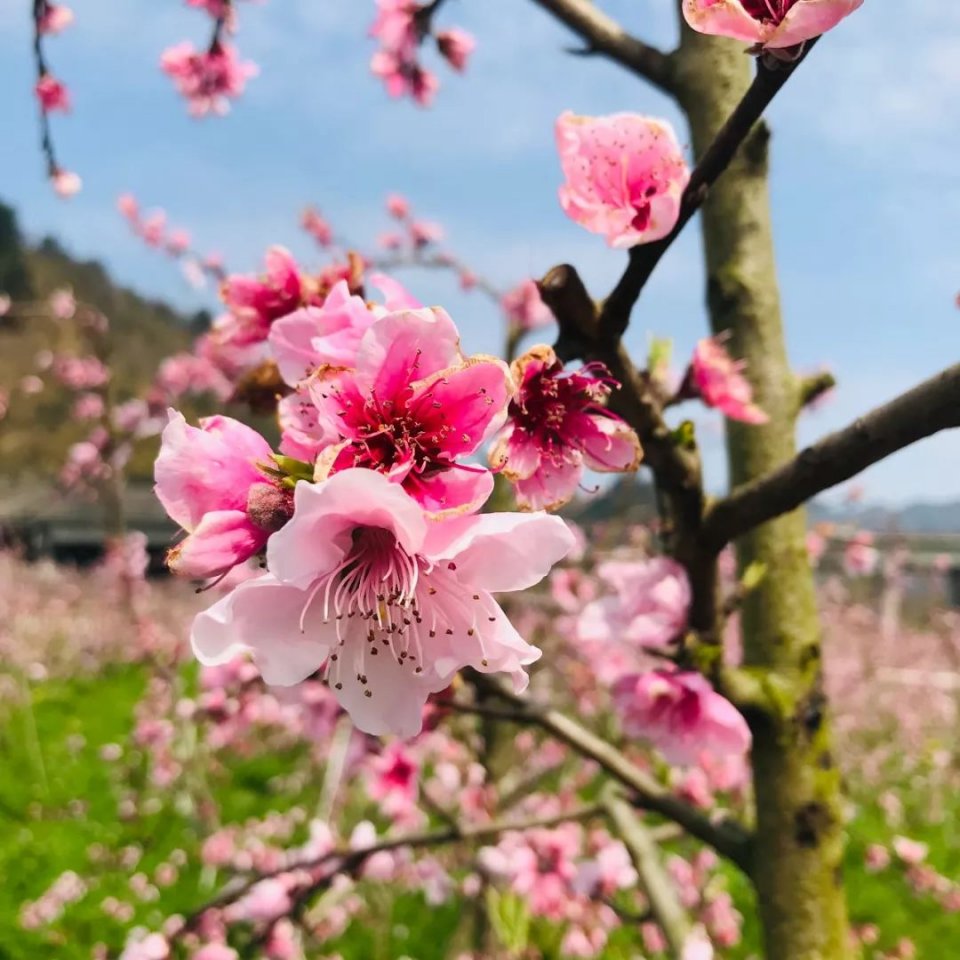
(38, 429)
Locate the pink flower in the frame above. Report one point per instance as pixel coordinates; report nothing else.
(256, 302)
(128, 207)
(768, 23)
(62, 303)
(208, 79)
(388, 604)
(215, 951)
(555, 427)
(719, 382)
(178, 242)
(625, 175)
(876, 858)
(398, 206)
(6, 302)
(316, 336)
(395, 26)
(412, 407)
(317, 227)
(52, 94)
(681, 715)
(65, 182)
(649, 608)
(401, 77)
(54, 18)
(209, 481)
(88, 406)
(394, 780)
(151, 947)
(910, 851)
(302, 435)
(860, 556)
(456, 45)
(425, 232)
(524, 308)
(216, 8)
(390, 240)
(153, 228)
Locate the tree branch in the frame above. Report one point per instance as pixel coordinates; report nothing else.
(921, 412)
(601, 34)
(615, 313)
(726, 835)
(657, 885)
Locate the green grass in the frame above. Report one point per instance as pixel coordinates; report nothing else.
(58, 798)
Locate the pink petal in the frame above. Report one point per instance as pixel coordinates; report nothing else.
(501, 551)
(809, 18)
(553, 485)
(218, 543)
(325, 515)
(467, 402)
(723, 18)
(515, 454)
(404, 347)
(612, 446)
(263, 616)
(395, 294)
(211, 468)
(461, 489)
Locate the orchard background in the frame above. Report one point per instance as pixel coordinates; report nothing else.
(507, 616)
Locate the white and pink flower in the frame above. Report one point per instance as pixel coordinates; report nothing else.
(387, 604)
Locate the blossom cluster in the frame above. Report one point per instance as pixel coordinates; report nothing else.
(209, 78)
(380, 572)
(400, 28)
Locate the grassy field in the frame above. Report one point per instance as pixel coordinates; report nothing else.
(59, 811)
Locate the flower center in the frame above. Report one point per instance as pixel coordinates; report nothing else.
(387, 602)
(768, 11)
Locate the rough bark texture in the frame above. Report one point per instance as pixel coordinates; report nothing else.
(797, 858)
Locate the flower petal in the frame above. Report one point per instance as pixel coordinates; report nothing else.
(500, 551)
(263, 616)
(325, 515)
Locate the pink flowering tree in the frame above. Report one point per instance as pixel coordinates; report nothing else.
(404, 519)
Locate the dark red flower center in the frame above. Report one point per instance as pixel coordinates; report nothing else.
(768, 11)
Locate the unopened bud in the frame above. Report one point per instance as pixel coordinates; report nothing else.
(269, 507)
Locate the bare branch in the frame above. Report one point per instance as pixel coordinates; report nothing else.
(725, 835)
(601, 34)
(665, 908)
(921, 412)
(615, 314)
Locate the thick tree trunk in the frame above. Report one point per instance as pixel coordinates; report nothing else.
(797, 863)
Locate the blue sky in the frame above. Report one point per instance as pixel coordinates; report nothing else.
(866, 185)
